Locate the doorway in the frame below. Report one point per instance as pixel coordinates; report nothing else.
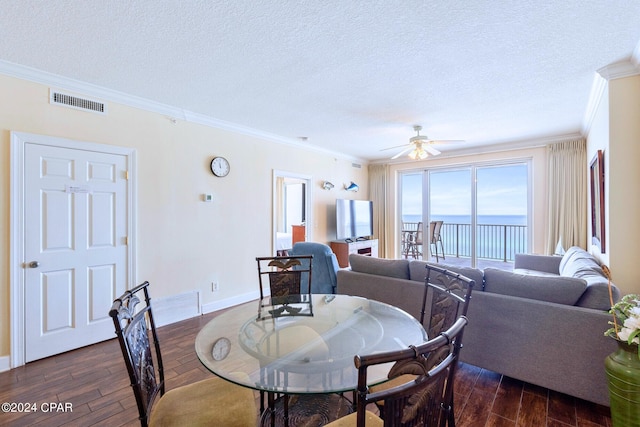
(291, 210)
(72, 229)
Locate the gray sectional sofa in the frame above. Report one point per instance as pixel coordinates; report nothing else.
(542, 323)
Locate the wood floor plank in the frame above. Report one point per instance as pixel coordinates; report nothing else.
(488, 381)
(476, 410)
(507, 400)
(562, 408)
(555, 423)
(536, 410)
(498, 421)
(466, 376)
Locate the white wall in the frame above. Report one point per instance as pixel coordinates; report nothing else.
(183, 243)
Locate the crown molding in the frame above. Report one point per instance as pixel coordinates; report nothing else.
(625, 68)
(595, 96)
(173, 113)
(618, 70)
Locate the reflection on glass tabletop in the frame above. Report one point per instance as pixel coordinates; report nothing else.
(303, 343)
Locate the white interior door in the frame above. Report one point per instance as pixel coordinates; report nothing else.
(76, 259)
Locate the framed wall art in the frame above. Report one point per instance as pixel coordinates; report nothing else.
(597, 202)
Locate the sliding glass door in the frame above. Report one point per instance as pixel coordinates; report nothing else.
(502, 220)
(483, 209)
(451, 201)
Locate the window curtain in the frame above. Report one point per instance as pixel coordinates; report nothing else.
(567, 189)
(378, 194)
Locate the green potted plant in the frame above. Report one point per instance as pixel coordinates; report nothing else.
(623, 365)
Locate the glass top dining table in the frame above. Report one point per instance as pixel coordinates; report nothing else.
(306, 344)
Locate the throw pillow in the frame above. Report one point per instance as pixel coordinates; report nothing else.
(577, 262)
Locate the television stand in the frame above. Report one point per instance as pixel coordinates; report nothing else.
(343, 249)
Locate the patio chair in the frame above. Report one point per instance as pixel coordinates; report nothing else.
(213, 401)
(420, 399)
(414, 242)
(435, 233)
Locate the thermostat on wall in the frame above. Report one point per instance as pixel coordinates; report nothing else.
(207, 197)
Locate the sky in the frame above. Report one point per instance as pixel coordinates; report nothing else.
(501, 190)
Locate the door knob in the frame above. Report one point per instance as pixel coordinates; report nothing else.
(34, 264)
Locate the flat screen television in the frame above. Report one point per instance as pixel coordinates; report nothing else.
(354, 219)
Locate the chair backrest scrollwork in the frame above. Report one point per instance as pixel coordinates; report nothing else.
(136, 332)
(285, 276)
(421, 400)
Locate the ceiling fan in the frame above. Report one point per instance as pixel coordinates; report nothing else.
(420, 146)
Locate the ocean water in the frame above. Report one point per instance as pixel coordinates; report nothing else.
(466, 219)
(491, 242)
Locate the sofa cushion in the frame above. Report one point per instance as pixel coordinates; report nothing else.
(560, 290)
(534, 272)
(398, 268)
(597, 295)
(418, 272)
(577, 262)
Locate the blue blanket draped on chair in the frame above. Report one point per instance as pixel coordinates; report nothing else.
(324, 267)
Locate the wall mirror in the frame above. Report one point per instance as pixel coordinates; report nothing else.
(291, 210)
(597, 201)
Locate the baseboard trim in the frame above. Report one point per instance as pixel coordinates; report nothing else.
(5, 363)
(176, 308)
(229, 302)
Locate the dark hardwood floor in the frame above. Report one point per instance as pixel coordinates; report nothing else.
(94, 382)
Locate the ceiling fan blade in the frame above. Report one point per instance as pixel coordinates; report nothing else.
(429, 149)
(394, 147)
(402, 152)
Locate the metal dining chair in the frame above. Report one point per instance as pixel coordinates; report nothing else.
(447, 294)
(419, 400)
(213, 401)
(285, 275)
(446, 298)
(288, 278)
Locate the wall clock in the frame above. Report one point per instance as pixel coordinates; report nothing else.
(221, 348)
(220, 166)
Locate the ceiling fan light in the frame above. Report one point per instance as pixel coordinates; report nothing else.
(418, 154)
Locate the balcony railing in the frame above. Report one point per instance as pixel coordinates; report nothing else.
(493, 241)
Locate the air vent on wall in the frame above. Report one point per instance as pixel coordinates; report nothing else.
(85, 104)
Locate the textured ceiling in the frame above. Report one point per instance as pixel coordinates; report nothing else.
(352, 76)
